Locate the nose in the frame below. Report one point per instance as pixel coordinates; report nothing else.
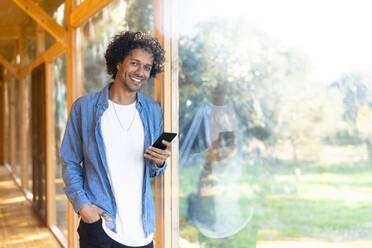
(140, 71)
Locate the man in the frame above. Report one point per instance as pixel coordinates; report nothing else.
(106, 150)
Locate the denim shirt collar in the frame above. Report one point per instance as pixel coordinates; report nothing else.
(104, 97)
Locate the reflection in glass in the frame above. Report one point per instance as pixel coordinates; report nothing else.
(60, 122)
(216, 198)
(215, 208)
(275, 126)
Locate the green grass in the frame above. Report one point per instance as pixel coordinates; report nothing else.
(294, 199)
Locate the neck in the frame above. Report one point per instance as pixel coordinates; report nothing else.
(120, 96)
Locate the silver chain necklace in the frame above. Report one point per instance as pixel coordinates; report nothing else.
(125, 131)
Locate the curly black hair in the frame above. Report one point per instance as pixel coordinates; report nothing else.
(123, 43)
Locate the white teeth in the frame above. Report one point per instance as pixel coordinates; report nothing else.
(137, 80)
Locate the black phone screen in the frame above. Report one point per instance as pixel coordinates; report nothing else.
(164, 136)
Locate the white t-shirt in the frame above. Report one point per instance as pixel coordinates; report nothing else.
(124, 152)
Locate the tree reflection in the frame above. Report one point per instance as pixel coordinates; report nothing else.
(258, 133)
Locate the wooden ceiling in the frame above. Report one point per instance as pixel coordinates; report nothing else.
(11, 14)
(11, 17)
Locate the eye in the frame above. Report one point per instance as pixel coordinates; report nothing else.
(148, 68)
(133, 63)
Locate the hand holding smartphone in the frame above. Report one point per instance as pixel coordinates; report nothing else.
(164, 136)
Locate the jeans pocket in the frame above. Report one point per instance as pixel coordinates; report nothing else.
(89, 228)
(93, 235)
(99, 221)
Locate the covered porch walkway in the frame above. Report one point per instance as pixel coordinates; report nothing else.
(20, 227)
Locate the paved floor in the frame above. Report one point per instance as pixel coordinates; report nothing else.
(19, 225)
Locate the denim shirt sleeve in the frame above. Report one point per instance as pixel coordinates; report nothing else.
(156, 171)
(72, 156)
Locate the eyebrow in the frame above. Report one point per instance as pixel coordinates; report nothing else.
(137, 60)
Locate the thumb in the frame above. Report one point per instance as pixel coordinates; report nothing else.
(99, 211)
(103, 214)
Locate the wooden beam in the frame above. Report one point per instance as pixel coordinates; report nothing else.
(41, 17)
(86, 10)
(10, 32)
(8, 65)
(49, 55)
(54, 52)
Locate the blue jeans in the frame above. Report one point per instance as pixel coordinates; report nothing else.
(92, 235)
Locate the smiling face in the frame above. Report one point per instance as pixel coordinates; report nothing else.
(135, 70)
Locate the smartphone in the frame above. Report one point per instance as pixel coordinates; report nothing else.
(226, 138)
(164, 136)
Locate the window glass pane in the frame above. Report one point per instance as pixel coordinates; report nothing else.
(60, 122)
(98, 32)
(49, 40)
(59, 15)
(275, 118)
(29, 41)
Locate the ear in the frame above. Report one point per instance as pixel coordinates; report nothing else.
(118, 66)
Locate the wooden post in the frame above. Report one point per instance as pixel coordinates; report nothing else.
(73, 92)
(12, 125)
(166, 92)
(50, 143)
(40, 40)
(6, 131)
(2, 117)
(172, 88)
(23, 135)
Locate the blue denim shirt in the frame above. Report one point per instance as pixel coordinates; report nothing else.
(85, 170)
